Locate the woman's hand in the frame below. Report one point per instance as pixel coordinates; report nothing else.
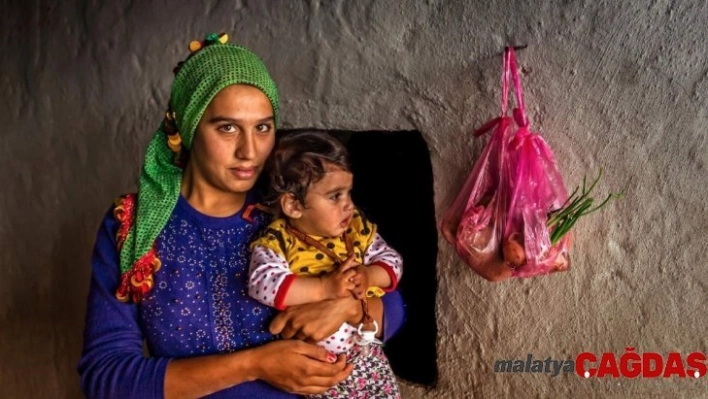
(290, 365)
(299, 367)
(318, 320)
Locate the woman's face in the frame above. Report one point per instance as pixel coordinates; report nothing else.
(233, 140)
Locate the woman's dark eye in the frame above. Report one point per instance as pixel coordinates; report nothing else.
(263, 128)
(228, 128)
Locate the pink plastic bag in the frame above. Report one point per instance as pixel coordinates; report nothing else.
(498, 221)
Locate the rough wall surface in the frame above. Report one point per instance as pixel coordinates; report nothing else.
(615, 85)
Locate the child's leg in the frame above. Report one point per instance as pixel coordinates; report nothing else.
(372, 378)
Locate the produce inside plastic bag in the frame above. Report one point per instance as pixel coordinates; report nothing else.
(498, 222)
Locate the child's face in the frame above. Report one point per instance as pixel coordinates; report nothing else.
(328, 205)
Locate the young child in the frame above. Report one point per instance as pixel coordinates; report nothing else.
(322, 248)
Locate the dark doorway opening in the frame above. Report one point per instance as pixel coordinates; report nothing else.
(393, 185)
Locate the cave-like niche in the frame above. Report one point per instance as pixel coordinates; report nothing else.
(393, 185)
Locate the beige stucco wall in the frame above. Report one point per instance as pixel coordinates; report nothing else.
(617, 85)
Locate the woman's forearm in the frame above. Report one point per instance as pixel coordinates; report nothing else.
(376, 312)
(315, 321)
(389, 313)
(289, 365)
(201, 376)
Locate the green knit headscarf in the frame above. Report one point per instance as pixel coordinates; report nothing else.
(208, 70)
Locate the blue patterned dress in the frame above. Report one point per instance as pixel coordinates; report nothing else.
(199, 305)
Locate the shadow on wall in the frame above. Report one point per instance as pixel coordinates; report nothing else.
(41, 332)
(393, 185)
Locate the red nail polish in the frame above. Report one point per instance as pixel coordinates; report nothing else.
(331, 357)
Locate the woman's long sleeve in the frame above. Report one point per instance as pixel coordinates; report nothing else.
(112, 363)
(394, 314)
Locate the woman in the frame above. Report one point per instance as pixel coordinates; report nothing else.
(170, 264)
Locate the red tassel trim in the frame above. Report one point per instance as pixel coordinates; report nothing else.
(124, 213)
(138, 281)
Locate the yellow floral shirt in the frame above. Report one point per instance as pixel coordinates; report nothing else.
(278, 256)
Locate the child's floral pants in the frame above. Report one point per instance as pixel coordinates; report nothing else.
(372, 378)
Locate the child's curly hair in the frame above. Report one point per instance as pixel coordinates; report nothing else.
(300, 160)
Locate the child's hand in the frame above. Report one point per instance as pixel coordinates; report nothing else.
(340, 282)
(361, 281)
